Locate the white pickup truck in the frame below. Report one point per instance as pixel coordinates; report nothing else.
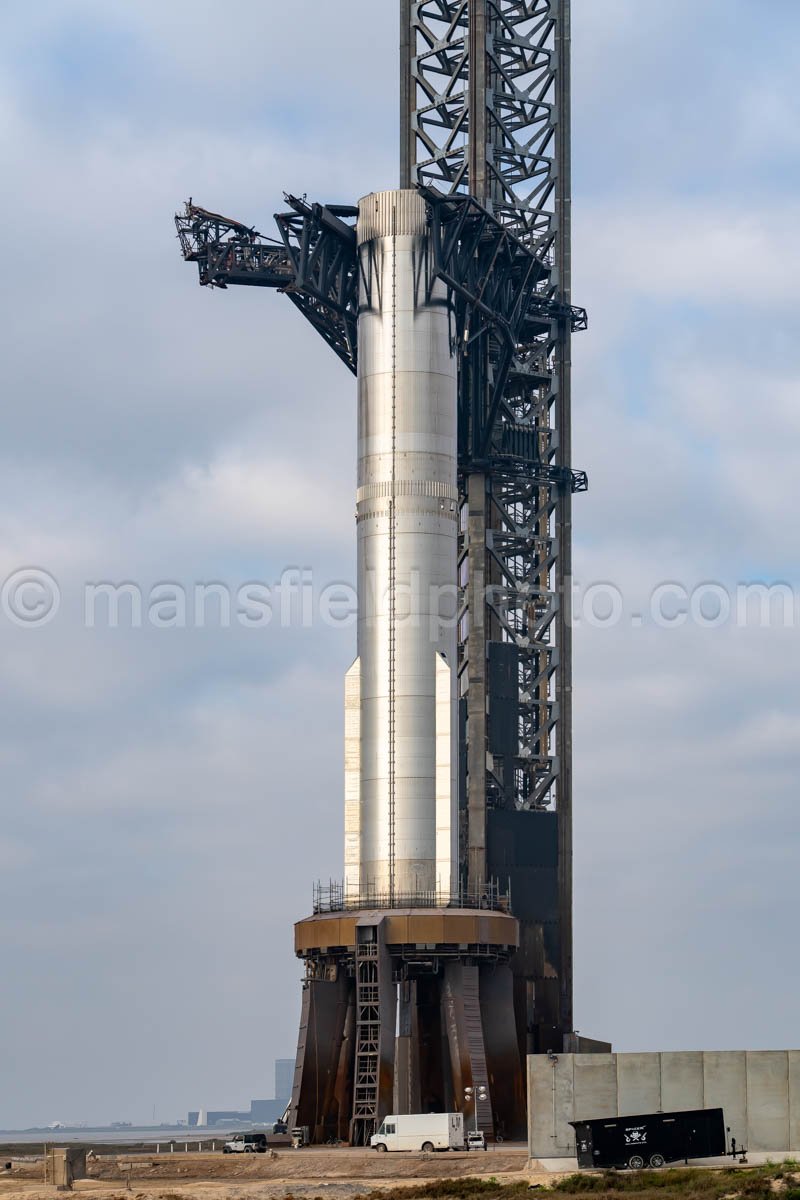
(420, 1131)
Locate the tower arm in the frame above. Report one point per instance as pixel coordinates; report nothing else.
(502, 298)
(228, 252)
(313, 261)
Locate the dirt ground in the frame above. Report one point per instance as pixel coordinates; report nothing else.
(303, 1174)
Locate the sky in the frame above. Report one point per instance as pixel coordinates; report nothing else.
(170, 794)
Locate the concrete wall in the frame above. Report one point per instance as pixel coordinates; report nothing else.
(63, 1165)
(758, 1090)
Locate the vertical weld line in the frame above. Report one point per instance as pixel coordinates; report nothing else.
(393, 572)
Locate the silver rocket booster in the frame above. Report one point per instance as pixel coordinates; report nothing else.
(400, 693)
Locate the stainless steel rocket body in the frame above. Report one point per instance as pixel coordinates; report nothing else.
(400, 752)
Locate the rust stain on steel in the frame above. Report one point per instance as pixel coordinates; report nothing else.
(412, 927)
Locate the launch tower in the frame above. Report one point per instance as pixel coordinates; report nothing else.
(446, 953)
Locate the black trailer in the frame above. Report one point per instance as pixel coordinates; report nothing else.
(650, 1140)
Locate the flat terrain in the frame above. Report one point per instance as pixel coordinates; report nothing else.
(317, 1171)
(344, 1174)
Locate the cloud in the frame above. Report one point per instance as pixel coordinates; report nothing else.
(707, 253)
(242, 494)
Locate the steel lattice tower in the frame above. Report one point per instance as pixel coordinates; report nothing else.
(484, 215)
(485, 111)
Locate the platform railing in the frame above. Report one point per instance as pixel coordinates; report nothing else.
(332, 897)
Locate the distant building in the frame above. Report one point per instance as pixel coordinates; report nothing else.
(284, 1079)
(206, 1118)
(262, 1112)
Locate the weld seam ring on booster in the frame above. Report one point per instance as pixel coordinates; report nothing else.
(407, 487)
(367, 514)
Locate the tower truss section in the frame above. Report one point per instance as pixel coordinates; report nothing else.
(485, 108)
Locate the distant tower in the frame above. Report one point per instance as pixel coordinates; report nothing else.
(284, 1076)
(446, 954)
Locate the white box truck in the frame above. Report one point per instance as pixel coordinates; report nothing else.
(420, 1131)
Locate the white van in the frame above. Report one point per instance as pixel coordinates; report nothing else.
(420, 1131)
